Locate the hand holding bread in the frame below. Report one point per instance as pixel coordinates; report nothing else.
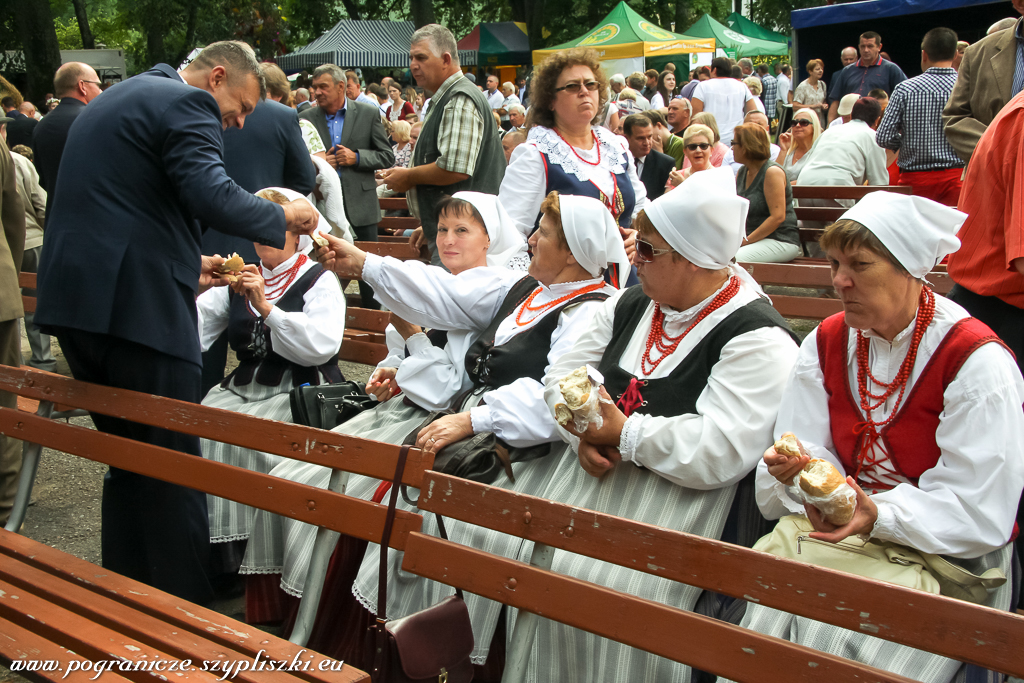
(817, 481)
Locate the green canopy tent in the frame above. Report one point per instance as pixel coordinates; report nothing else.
(625, 40)
(739, 23)
(501, 43)
(735, 44)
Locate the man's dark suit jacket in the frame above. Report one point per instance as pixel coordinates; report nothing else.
(19, 131)
(657, 167)
(267, 152)
(364, 133)
(302, 106)
(48, 140)
(142, 167)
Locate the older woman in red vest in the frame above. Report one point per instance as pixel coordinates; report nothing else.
(918, 404)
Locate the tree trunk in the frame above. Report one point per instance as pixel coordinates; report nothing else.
(155, 45)
(682, 16)
(88, 42)
(34, 21)
(190, 31)
(422, 12)
(352, 9)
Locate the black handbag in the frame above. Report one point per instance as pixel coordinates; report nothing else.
(481, 457)
(429, 646)
(328, 405)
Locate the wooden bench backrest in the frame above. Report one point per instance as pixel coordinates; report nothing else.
(938, 624)
(314, 506)
(845, 191)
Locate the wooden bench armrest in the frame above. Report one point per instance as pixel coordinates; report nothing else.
(949, 627)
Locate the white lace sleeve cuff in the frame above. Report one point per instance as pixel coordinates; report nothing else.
(885, 523)
(629, 439)
(482, 419)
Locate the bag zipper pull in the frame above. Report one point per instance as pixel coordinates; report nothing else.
(799, 540)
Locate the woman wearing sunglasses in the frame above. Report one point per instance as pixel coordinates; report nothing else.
(772, 235)
(697, 143)
(566, 149)
(796, 143)
(684, 356)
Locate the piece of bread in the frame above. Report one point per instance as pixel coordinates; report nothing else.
(576, 388)
(234, 264)
(319, 239)
(819, 478)
(562, 414)
(788, 445)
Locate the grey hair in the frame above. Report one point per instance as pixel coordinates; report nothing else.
(686, 104)
(440, 40)
(237, 58)
(517, 109)
(746, 61)
(636, 80)
(628, 94)
(333, 70)
(1001, 25)
(618, 78)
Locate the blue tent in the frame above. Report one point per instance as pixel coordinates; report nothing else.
(822, 32)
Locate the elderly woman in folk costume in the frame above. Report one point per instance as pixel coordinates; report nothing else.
(694, 363)
(519, 325)
(918, 404)
(566, 150)
(285, 321)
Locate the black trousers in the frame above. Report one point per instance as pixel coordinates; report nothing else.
(366, 233)
(154, 532)
(1007, 321)
(215, 361)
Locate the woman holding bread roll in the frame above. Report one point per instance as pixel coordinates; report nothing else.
(284, 321)
(517, 326)
(694, 362)
(915, 404)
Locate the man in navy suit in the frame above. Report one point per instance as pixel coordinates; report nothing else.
(357, 145)
(121, 267)
(652, 166)
(268, 152)
(75, 84)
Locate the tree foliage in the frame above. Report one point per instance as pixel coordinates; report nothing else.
(774, 14)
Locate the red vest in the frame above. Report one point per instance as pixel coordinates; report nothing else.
(909, 440)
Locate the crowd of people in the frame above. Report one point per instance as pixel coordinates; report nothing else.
(577, 219)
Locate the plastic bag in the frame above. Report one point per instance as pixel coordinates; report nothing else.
(590, 412)
(837, 507)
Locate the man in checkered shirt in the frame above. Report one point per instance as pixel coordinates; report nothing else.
(912, 124)
(769, 90)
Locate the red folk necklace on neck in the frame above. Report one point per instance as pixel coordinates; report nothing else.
(277, 285)
(667, 345)
(596, 144)
(544, 308)
(869, 401)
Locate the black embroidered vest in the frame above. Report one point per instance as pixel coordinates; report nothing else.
(249, 337)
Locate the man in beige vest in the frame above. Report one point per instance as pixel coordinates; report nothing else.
(985, 83)
(12, 216)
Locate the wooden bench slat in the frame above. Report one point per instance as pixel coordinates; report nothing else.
(399, 223)
(805, 306)
(330, 449)
(27, 280)
(405, 252)
(394, 203)
(949, 627)
(702, 642)
(320, 507)
(365, 319)
(29, 304)
(22, 645)
(355, 351)
(165, 637)
(827, 214)
(844, 191)
(85, 637)
(365, 336)
(790, 275)
(147, 600)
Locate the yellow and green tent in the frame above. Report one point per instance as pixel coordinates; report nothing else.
(625, 35)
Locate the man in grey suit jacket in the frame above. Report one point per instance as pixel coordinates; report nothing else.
(984, 85)
(357, 145)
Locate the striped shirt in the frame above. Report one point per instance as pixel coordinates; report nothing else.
(1018, 69)
(912, 124)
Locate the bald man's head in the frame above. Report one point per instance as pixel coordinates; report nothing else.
(76, 80)
(758, 119)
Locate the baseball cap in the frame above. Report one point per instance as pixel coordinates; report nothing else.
(846, 104)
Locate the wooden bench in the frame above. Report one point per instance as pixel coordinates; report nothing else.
(814, 276)
(127, 615)
(831, 214)
(396, 225)
(942, 625)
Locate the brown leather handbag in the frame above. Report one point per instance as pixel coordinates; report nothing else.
(432, 645)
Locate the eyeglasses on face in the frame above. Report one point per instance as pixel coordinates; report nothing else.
(801, 122)
(694, 146)
(575, 86)
(646, 252)
(96, 83)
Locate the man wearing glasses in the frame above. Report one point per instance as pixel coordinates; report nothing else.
(76, 84)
